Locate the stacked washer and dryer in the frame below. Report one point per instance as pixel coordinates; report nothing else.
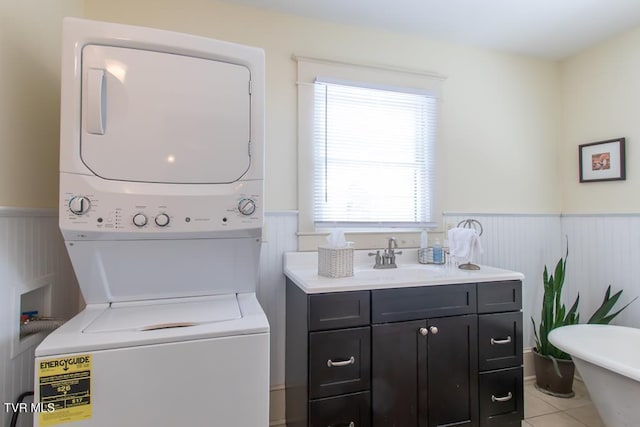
(161, 210)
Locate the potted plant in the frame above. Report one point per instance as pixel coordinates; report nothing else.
(554, 368)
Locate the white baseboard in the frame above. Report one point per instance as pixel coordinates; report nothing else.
(527, 362)
(277, 416)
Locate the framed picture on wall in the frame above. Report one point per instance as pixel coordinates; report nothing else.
(602, 161)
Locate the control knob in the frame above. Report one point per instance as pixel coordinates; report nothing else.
(79, 205)
(246, 206)
(162, 219)
(140, 220)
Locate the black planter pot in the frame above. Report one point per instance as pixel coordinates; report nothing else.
(547, 379)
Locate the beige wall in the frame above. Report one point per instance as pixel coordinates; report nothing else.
(498, 142)
(30, 33)
(601, 101)
(510, 125)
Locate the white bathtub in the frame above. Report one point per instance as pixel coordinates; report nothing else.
(608, 360)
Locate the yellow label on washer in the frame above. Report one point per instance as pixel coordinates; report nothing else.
(65, 388)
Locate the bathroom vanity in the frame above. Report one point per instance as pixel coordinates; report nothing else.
(420, 345)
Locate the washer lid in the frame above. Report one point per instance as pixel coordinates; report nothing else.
(169, 314)
(150, 116)
(75, 336)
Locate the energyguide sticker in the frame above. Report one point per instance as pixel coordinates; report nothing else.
(65, 382)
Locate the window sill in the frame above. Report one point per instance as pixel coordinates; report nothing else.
(374, 238)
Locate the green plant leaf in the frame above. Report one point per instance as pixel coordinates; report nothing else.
(558, 282)
(553, 313)
(605, 307)
(601, 316)
(555, 365)
(535, 333)
(572, 316)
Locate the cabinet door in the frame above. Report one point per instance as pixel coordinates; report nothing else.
(501, 398)
(347, 410)
(339, 362)
(338, 310)
(500, 344)
(398, 366)
(452, 371)
(428, 378)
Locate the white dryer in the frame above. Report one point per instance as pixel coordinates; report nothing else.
(161, 183)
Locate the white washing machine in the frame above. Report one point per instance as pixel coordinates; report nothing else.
(161, 184)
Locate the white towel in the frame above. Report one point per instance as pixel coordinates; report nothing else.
(464, 244)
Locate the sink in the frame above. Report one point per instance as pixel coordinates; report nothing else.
(405, 274)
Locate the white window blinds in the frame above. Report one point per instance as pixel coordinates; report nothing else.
(373, 155)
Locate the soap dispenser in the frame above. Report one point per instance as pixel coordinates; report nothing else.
(437, 253)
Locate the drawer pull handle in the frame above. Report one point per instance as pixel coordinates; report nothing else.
(507, 341)
(351, 424)
(506, 398)
(332, 364)
(424, 332)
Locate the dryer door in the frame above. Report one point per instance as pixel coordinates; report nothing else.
(156, 117)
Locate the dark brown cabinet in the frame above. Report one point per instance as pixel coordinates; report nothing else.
(328, 359)
(420, 356)
(501, 399)
(425, 372)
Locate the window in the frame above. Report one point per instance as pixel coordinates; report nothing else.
(372, 156)
(366, 146)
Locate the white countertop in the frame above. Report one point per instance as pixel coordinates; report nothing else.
(302, 269)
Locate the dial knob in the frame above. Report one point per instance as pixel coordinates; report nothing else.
(162, 219)
(79, 205)
(140, 220)
(246, 206)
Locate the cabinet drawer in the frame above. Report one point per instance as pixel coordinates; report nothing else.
(499, 337)
(351, 410)
(494, 297)
(396, 305)
(339, 362)
(338, 310)
(501, 397)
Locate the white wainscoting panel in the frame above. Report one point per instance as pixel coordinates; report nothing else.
(604, 250)
(32, 256)
(279, 236)
(519, 242)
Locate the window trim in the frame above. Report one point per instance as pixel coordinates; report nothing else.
(312, 69)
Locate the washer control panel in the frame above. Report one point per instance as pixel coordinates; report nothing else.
(89, 210)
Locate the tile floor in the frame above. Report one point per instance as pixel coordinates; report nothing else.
(542, 410)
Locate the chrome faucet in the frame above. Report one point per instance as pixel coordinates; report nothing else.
(388, 258)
